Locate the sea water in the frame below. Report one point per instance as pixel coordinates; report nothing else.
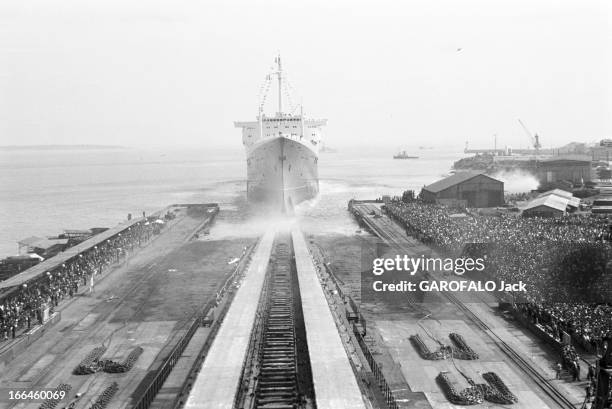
(45, 191)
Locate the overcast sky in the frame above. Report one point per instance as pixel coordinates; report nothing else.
(162, 72)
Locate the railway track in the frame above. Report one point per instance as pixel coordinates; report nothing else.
(387, 230)
(277, 372)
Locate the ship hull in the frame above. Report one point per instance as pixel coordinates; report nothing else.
(282, 173)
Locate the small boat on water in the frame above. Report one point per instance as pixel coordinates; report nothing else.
(403, 155)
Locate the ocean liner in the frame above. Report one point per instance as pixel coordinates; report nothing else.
(282, 152)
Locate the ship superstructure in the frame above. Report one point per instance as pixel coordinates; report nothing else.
(282, 153)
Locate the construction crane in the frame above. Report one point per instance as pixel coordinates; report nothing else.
(534, 138)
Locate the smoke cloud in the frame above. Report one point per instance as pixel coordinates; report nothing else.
(517, 181)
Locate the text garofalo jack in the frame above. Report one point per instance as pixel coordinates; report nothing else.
(457, 266)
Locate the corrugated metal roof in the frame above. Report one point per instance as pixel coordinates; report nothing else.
(28, 256)
(573, 201)
(455, 179)
(552, 201)
(601, 209)
(558, 192)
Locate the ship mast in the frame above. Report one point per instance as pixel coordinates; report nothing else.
(280, 85)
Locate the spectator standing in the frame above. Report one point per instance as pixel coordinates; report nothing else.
(589, 393)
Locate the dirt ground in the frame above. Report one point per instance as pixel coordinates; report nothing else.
(181, 281)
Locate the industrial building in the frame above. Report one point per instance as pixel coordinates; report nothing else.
(556, 202)
(602, 205)
(43, 246)
(603, 151)
(573, 168)
(473, 189)
(573, 202)
(548, 206)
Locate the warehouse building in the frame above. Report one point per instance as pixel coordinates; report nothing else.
(546, 206)
(572, 168)
(572, 201)
(602, 205)
(43, 246)
(474, 189)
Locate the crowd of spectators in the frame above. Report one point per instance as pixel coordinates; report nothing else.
(588, 323)
(558, 258)
(571, 361)
(517, 197)
(22, 307)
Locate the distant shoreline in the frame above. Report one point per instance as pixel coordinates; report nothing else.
(58, 147)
